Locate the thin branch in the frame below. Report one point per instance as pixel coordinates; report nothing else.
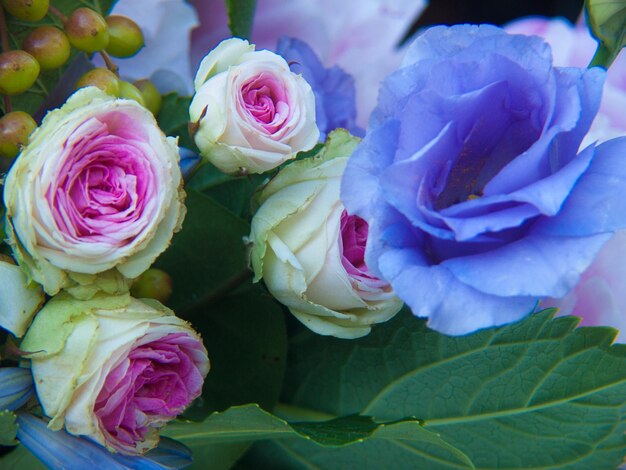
(58, 13)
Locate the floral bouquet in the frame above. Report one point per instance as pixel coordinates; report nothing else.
(284, 235)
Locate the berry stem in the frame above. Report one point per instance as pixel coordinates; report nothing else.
(108, 62)
(4, 38)
(58, 13)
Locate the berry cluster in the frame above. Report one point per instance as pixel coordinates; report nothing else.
(47, 47)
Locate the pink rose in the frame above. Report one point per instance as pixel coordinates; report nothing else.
(252, 113)
(114, 368)
(572, 46)
(95, 196)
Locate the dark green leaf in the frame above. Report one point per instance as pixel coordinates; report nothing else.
(8, 428)
(241, 17)
(536, 394)
(32, 100)
(249, 423)
(174, 118)
(607, 21)
(19, 459)
(208, 252)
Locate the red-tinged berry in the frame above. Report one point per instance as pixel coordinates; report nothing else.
(27, 10)
(15, 128)
(102, 78)
(153, 284)
(18, 72)
(125, 37)
(49, 45)
(151, 96)
(87, 30)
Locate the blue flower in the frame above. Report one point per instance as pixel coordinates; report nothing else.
(58, 449)
(16, 387)
(333, 88)
(477, 198)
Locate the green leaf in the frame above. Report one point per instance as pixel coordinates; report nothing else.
(536, 394)
(207, 253)
(249, 422)
(20, 458)
(241, 17)
(607, 21)
(8, 428)
(246, 338)
(34, 98)
(173, 119)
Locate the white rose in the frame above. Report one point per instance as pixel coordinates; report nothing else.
(114, 368)
(94, 197)
(250, 111)
(19, 300)
(309, 251)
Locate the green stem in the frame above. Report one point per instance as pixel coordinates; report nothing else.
(292, 413)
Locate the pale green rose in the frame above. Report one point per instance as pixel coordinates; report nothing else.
(309, 251)
(19, 299)
(94, 197)
(250, 112)
(114, 368)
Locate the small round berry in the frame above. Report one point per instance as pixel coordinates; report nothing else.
(18, 72)
(27, 10)
(87, 30)
(151, 96)
(15, 128)
(102, 78)
(153, 284)
(125, 37)
(130, 92)
(49, 45)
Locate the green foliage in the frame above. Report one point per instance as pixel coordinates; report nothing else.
(8, 428)
(34, 98)
(240, 17)
(20, 458)
(248, 423)
(607, 21)
(536, 394)
(174, 118)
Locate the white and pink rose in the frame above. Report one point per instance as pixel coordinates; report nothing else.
(310, 251)
(95, 196)
(250, 112)
(113, 368)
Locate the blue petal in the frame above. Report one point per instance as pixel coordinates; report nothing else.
(189, 160)
(16, 387)
(58, 449)
(533, 266)
(452, 307)
(597, 203)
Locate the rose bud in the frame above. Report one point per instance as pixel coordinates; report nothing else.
(58, 449)
(113, 368)
(250, 113)
(20, 300)
(16, 388)
(309, 251)
(94, 197)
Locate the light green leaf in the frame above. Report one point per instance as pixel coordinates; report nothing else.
(536, 394)
(8, 428)
(607, 21)
(249, 423)
(241, 17)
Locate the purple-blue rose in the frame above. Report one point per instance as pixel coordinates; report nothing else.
(334, 91)
(470, 177)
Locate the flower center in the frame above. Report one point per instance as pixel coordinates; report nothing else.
(265, 100)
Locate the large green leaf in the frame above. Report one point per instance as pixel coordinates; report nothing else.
(8, 428)
(536, 394)
(32, 100)
(174, 119)
(207, 253)
(240, 17)
(607, 21)
(249, 422)
(19, 459)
